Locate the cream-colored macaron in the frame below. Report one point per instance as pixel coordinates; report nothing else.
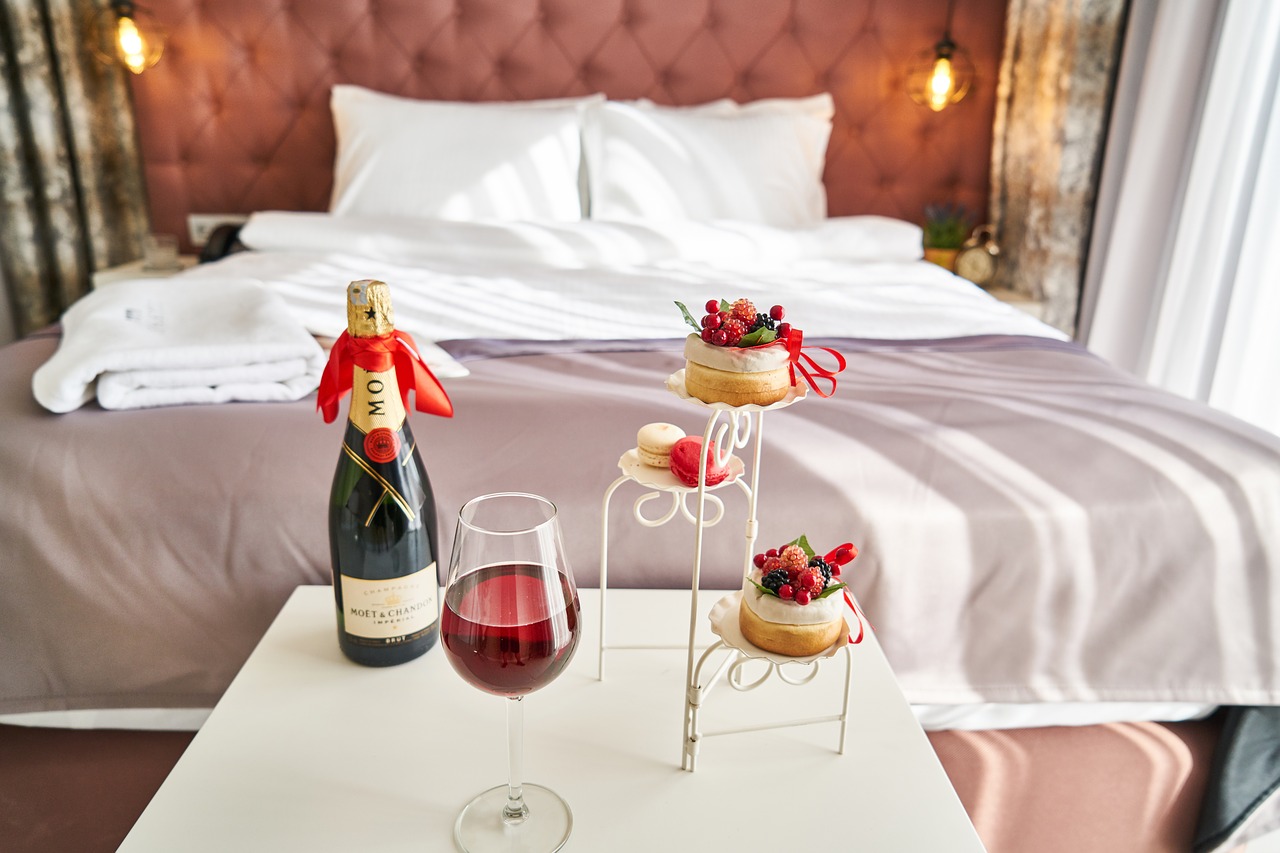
(654, 442)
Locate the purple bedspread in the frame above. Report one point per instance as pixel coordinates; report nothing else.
(1034, 525)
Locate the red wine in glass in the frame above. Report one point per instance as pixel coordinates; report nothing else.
(506, 632)
(510, 627)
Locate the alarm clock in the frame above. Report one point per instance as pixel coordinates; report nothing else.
(976, 259)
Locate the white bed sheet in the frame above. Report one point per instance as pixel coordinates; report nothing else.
(855, 277)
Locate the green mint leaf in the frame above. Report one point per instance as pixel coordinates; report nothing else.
(762, 588)
(803, 542)
(688, 318)
(830, 589)
(726, 306)
(762, 335)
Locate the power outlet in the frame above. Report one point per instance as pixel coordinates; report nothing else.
(201, 225)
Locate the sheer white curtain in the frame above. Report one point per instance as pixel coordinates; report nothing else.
(1183, 283)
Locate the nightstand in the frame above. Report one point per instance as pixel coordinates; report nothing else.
(137, 269)
(1022, 301)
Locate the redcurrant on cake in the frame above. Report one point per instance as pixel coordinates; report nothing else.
(738, 356)
(790, 601)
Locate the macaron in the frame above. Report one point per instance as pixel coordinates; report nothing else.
(654, 442)
(686, 455)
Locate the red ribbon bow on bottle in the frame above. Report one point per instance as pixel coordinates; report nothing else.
(794, 339)
(378, 355)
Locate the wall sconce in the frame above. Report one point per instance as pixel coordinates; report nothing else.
(943, 75)
(127, 34)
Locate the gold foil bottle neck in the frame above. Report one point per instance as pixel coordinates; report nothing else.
(369, 313)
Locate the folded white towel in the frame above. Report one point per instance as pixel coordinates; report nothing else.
(163, 342)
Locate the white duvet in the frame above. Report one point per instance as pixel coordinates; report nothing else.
(849, 277)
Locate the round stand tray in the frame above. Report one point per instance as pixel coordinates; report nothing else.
(663, 480)
(724, 624)
(675, 384)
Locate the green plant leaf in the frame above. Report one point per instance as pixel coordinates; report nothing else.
(946, 226)
(830, 589)
(688, 318)
(762, 335)
(726, 306)
(803, 542)
(762, 588)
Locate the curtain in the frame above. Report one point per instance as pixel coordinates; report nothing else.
(1055, 87)
(71, 194)
(1185, 290)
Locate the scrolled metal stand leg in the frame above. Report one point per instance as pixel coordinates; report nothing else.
(844, 708)
(604, 565)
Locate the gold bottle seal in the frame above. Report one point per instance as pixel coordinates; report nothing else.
(369, 313)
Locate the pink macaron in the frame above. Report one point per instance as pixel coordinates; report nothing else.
(685, 456)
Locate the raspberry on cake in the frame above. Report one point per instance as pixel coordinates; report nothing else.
(737, 356)
(789, 602)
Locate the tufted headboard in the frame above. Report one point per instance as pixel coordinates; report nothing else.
(235, 118)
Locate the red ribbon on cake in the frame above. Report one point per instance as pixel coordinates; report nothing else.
(831, 558)
(857, 613)
(794, 340)
(378, 355)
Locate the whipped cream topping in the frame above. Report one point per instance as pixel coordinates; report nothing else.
(773, 609)
(736, 359)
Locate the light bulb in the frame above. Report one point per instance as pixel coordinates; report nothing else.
(132, 46)
(126, 34)
(940, 77)
(942, 84)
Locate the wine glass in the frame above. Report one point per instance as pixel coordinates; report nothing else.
(509, 627)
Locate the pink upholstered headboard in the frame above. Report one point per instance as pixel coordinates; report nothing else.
(235, 118)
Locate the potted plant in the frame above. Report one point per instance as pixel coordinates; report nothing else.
(946, 227)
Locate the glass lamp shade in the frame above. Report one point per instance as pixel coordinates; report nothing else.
(940, 77)
(126, 34)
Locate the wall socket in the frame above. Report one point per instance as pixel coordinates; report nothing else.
(201, 225)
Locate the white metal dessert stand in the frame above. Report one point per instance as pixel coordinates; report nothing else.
(725, 436)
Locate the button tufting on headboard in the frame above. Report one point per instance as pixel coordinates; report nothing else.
(235, 118)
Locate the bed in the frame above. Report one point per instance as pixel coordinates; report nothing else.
(1056, 557)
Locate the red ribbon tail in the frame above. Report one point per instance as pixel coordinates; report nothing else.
(794, 346)
(336, 379)
(428, 394)
(857, 614)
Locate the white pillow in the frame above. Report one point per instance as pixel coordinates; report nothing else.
(465, 161)
(821, 106)
(721, 161)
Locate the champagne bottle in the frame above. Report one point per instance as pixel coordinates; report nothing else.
(382, 514)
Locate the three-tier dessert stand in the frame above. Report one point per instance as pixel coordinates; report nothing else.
(728, 428)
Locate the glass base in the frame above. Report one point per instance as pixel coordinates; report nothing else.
(480, 827)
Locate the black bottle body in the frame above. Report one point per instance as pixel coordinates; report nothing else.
(382, 532)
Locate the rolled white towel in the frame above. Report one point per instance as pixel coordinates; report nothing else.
(164, 342)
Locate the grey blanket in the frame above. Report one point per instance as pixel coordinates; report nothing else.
(1034, 525)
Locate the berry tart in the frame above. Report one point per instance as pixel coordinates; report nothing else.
(737, 356)
(790, 601)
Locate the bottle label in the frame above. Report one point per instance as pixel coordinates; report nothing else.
(381, 445)
(390, 611)
(375, 401)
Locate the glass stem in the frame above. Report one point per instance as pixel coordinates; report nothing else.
(515, 810)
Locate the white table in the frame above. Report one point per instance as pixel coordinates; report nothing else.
(307, 751)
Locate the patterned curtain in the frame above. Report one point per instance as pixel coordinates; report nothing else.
(71, 194)
(1056, 82)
